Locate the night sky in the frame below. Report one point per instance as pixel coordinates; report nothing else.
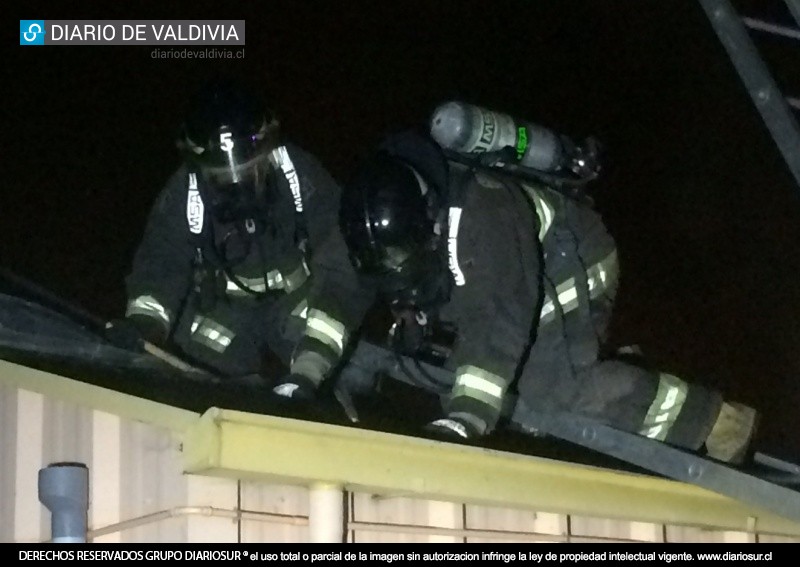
(704, 210)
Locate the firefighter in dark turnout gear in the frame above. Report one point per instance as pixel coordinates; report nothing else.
(223, 267)
(523, 275)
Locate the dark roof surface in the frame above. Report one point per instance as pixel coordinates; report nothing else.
(36, 336)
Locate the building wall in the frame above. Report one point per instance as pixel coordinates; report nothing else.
(139, 493)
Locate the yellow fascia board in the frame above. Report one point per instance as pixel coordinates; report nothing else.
(258, 447)
(241, 445)
(96, 397)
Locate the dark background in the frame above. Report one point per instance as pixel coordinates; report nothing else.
(705, 212)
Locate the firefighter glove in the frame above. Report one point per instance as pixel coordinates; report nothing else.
(129, 333)
(296, 387)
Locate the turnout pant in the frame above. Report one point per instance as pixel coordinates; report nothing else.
(236, 336)
(565, 372)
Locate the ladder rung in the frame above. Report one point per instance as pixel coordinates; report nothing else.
(768, 27)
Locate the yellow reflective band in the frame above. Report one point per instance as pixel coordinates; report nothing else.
(312, 365)
(211, 334)
(567, 298)
(253, 284)
(665, 408)
(326, 329)
(600, 277)
(479, 384)
(297, 277)
(603, 274)
(274, 279)
(149, 306)
(566, 292)
(543, 210)
(546, 214)
(216, 336)
(656, 432)
(301, 310)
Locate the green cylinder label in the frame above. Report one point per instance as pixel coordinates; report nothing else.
(522, 142)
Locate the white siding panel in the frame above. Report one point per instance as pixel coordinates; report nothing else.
(274, 513)
(776, 539)
(395, 519)
(67, 433)
(29, 519)
(106, 475)
(445, 515)
(66, 438)
(701, 535)
(155, 502)
(614, 530)
(153, 484)
(217, 500)
(8, 459)
(524, 526)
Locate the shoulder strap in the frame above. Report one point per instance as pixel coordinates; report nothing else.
(284, 161)
(460, 177)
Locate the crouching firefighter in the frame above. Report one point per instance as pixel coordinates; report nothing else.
(222, 270)
(522, 274)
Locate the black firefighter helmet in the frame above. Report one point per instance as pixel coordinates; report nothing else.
(228, 136)
(388, 218)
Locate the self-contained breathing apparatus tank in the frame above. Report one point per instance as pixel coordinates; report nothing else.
(479, 136)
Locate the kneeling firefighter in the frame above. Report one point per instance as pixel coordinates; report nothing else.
(222, 270)
(520, 272)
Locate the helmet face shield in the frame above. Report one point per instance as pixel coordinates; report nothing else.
(395, 258)
(381, 260)
(372, 247)
(388, 224)
(237, 169)
(237, 189)
(384, 230)
(418, 282)
(229, 137)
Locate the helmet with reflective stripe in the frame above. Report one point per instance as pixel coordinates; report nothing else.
(388, 220)
(228, 136)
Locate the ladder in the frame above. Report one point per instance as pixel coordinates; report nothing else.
(775, 108)
(770, 483)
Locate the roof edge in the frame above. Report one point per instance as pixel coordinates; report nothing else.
(259, 447)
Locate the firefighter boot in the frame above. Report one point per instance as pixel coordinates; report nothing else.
(732, 433)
